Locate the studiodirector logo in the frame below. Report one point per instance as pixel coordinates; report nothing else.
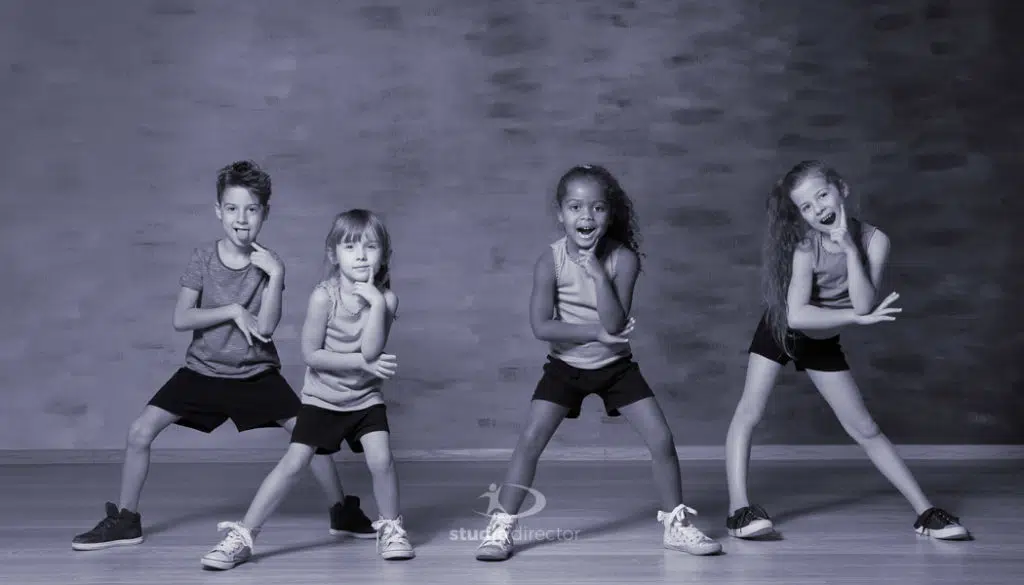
(519, 533)
(494, 505)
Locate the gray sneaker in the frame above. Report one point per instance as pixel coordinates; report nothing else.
(235, 549)
(497, 544)
(683, 536)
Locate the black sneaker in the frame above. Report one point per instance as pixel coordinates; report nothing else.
(119, 528)
(749, 522)
(347, 519)
(938, 523)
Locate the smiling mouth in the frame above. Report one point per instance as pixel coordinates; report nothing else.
(828, 219)
(586, 232)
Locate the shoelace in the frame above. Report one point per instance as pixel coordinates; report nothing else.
(754, 512)
(238, 536)
(498, 531)
(676, 522)
(944, 518)
(389, 532)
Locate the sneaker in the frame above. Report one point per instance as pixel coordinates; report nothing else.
(235, 549)
(683, 536)
(119, 528)
(938, 523)
(348, 519)
(749, 522)
(497, 544)
(392, 541)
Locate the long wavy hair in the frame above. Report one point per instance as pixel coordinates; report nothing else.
(623, 227)
(350, 226)
(786, 230)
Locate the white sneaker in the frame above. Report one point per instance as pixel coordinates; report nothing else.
(683, 536)
(235, 549)
(392, 540)
(497, 544)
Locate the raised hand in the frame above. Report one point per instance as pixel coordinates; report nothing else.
(266, 260)
(248, 325)
(883, 312)
(620, 337)
(368, 291)
(593, 268)
(840, 234)
(383, 367)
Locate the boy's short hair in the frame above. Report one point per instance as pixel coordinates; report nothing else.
(246, 174)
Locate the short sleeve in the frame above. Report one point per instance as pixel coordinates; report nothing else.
(193, 276)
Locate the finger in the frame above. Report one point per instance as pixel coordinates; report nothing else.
(373, 274)
(260, 337)
(248, 338)
(842, 215)
(257, 247)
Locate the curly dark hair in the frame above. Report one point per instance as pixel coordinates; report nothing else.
(623, 227)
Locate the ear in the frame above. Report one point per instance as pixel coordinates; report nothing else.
(332, 255)
(216, 209)
(266, 211)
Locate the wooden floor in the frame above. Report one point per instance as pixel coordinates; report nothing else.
(840, 523)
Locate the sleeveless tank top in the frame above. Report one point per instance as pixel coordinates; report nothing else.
(576, 302)
(830, 289)
(352, 389)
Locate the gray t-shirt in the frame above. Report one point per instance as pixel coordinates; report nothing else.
(222, 351)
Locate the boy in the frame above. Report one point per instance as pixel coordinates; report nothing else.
(230, 299)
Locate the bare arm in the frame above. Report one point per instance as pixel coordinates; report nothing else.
(378, 325)
(864, 282)
(187, 317)
(314, 331)
(802, 315)
(542, 309)
(270, 305)
(615, 296)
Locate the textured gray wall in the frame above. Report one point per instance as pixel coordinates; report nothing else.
(454, 119)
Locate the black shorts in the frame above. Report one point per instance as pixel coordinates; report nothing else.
(205, 402)
(823, 355)
(618, 384)
(326, 430)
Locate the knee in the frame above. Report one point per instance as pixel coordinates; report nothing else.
(662, 445)
(747, 415)
(862, 430)
(380, 463)
(294, 461)
(531, 443)
(140, 435)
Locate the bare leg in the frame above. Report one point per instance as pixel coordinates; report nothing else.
(377, 447)
(323, 469)
(541, 425)
(761, 376)
(648, 420)
(842, 394)
(277, 484)
(141, 434)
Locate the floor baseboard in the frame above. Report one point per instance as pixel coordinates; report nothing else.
(759, 452)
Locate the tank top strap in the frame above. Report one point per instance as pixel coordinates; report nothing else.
(331, 288)
(559, 252)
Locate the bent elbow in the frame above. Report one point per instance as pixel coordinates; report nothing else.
(793, 319)
(178, 323)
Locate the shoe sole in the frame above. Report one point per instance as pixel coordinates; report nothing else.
(951, 533)
(86, 546)
(753, 530)
(220, 565)
(695, 553)
(359, 535)
(492, 559)
(398, 556)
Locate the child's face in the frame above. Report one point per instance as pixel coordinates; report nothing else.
(241, 214)
(584, 213)
(357, 260)
(819, 202)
